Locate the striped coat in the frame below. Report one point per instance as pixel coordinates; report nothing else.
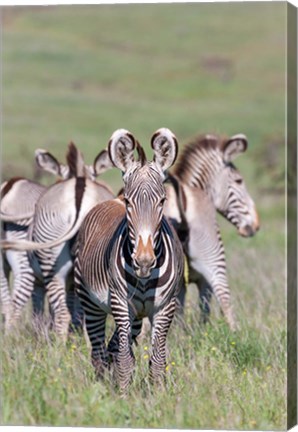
(129, 261)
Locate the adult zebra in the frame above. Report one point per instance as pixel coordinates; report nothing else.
(204, 181)
(129, 261)
(57, 218)
(18, 197)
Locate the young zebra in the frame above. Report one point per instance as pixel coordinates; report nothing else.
(57, 218)
(18, 197)
(129, 261)
(205, 180)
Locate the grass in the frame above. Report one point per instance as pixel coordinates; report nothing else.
(215, 379)
(80, 73)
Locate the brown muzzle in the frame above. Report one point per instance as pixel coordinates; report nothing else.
(250, 229)
(144, 258)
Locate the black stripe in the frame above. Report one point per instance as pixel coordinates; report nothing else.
(79, 192)
(9, 185)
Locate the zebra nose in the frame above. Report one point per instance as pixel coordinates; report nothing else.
(143, 267)
(247, 231)
(144, 258)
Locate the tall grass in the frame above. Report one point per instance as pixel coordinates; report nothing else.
(215, 379)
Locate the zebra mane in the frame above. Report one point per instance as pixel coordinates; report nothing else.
(75, 161)
(141, 153)
(8, 185)
(199, 160)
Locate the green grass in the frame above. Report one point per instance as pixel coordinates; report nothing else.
(219, 379)
(79, 73)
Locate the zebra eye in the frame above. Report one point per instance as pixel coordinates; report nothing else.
(161, 202)
(239, 181)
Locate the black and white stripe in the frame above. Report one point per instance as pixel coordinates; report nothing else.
(205, 181)
(129, 261)
(57, 216)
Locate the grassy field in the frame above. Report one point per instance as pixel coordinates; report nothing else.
(79, 73)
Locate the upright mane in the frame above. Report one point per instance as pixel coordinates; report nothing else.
(75, 161)
(199, 160)
(141, 153)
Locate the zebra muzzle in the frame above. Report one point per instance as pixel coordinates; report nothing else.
(144, 259)
(247, 231)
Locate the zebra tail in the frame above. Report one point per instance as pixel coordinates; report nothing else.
(21, 245)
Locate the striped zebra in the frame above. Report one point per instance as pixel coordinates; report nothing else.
(129, 261)
(19, 196)
(204, 181)
(57, 217)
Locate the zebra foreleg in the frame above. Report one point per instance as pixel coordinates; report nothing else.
(205, 296)
(124, 360)
(181, 298)
(218, 284)
(224, 300)
(113, 346)
(160, 326)
(214, 280)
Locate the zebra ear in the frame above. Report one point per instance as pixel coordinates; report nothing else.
(101, 163)
(165, 147)
(47, 162)
(234, 146)
(121, 149)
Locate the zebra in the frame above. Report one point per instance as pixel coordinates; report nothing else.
(58, 214)
(18, 196)
(204, 181)
(129, 261)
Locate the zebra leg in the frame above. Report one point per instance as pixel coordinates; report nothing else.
(56, 293)
(5, 298)
(213, 280)
(181, 298)
(223, 296)
(160, 326)
(96, 327)
(205, 295)
(113, 346)
(23, 284)
(219, 286)
(137, 329)
(38, 300)
(124, 360)
(95, 321)
(74, 305)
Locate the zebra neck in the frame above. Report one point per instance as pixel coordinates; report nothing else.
(200, 169)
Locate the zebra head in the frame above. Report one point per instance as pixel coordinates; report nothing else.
(75, 166)
(231, 197)
(144, 192)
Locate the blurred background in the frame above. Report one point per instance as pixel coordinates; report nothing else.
(80, 72)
